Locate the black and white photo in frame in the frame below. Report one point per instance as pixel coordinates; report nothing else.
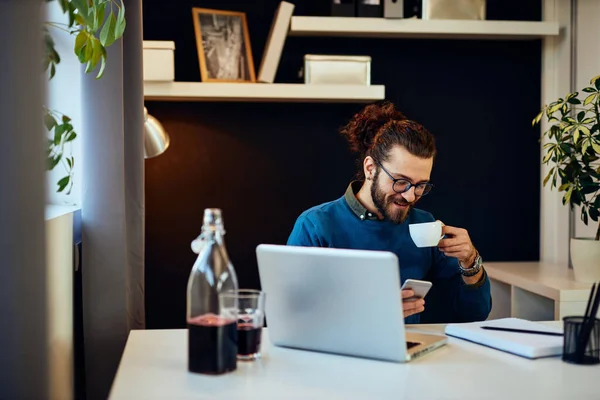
(223, 43)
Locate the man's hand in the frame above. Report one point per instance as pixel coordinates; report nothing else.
(458, 244)
(413, 306)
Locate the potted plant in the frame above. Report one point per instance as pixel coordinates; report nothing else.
(95, 25)
(573, 152)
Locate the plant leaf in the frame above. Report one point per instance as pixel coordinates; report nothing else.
(588, 120)
(83, 11)
(80, 41)
(62, 184)
(69, 162)
(576, 136)
(53, 161)
(567, 197)
(120, 27)
(590, 90)
(580, 116)
(71, 137)
(584, 217)
(58, 132)
(590, 189)
(548, 176)
(574, 101)
(537, 118)
(554, 108)
(590, 99)
(596, 147)
(99, 15)
(97, 52)
(563, 186)
(88, 50)
(107, 34)
(584, 130)
(102, 64)
(594, 214)
(49, 121)
(584, 146)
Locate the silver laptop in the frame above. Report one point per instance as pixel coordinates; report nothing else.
(338, 301)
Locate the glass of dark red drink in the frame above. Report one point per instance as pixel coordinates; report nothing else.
(250, 321)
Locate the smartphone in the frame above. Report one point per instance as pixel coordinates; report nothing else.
(420, 288)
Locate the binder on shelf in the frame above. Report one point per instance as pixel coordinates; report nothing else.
(393, 8)
(343, 8)
(369, 8)
(402, 9)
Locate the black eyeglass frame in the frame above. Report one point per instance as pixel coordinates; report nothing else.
(426, 188)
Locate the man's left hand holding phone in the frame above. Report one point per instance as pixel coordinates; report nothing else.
(413, 296)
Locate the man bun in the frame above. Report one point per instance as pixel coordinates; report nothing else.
(362, 128)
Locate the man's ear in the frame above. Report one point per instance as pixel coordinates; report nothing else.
(369, 168)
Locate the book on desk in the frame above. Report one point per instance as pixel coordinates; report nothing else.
(525, 344)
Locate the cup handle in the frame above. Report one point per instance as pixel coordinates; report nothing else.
(441, 237)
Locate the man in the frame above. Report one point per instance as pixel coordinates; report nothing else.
(396, 157)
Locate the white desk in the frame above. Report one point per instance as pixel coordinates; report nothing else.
(154, 366)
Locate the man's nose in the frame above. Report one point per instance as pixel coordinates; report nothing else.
(409, 195)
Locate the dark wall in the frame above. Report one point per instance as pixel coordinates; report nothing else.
(264, 163)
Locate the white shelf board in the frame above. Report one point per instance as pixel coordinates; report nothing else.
(553, 281)
(262, 92)
(419, 28)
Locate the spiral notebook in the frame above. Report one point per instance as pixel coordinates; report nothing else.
(522, 344)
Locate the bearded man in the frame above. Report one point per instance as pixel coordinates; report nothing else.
(396, 157)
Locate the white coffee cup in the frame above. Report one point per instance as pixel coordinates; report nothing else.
(426, 234)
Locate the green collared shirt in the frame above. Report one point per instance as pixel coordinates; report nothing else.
(356, 206)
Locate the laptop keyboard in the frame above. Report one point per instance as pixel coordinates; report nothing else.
(410, 345)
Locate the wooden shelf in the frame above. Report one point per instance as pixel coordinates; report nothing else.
(419, 28)
(262, 92)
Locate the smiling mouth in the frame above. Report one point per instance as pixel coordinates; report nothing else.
(400, 204)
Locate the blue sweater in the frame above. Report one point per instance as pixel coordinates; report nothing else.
(339, 224)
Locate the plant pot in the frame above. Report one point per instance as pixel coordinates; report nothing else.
(585, 257)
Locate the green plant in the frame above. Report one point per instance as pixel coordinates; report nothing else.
(573, 149)
(95, 24)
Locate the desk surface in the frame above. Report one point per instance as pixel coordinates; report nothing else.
(154, 366)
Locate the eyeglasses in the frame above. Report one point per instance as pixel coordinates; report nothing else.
(403, 185)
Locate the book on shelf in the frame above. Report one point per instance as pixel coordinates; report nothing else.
(275, 41)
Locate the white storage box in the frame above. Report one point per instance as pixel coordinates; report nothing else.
(346, 70)
(159, 60)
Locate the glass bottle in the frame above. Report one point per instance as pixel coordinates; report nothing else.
(212, 317)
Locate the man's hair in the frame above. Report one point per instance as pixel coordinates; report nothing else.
(378, 127)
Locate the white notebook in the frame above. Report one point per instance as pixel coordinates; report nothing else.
(523, 344)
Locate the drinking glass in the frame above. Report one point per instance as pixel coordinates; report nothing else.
(250, 321)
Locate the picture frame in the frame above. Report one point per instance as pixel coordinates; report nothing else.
(223, 44)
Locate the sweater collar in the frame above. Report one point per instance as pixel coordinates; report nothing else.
(356, 206)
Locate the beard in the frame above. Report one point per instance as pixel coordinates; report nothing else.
(386, 206)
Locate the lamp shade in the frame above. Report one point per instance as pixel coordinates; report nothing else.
(156, 139)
